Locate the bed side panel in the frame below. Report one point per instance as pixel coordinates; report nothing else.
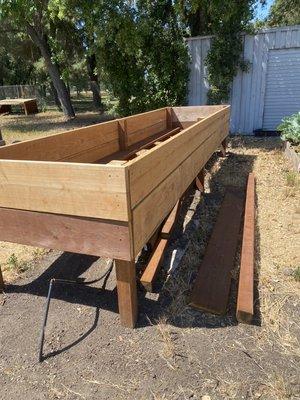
(174, 166)
(78, 145)
(63, 188)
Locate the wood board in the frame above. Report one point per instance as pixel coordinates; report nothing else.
(245, 308)
(211, 287)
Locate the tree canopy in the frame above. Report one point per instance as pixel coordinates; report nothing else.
(284, 12)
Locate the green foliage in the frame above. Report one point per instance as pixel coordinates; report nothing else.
(290, 128)
(143, 58)
(226, 21)
(284, 12)
(229, 20)
(15, 264)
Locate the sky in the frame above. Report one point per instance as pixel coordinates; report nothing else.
(262, 12)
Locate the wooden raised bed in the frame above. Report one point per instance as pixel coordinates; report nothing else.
(105, 189)
(29, 105)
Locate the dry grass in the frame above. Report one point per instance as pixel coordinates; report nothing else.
(21, 127)
(277, 259)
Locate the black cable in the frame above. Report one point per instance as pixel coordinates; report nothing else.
(68, 282)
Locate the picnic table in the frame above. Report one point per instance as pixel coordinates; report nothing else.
(29, 105)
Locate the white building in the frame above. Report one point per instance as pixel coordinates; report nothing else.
(269, 91)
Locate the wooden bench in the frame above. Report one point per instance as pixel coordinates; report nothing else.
(29, 105)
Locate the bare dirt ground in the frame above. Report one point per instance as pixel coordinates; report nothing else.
(175, 352)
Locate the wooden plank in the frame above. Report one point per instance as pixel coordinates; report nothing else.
(123, 137)
(164, 135)
(62, 232)
(127, 292)
(1, 281)
(18, 101)
(169, 223)
(152, 268)
(30, 107)
(150, 273)
(136, 147)
(193, 113)
(143, 125)
(163, 197)
(87, 190)
(200, 180)
(245, 309)
(149, 170)
(211, 287)
(84, 144)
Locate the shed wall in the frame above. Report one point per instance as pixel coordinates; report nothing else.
(248, 88)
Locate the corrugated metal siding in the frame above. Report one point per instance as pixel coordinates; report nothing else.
(248, 89)
(282, 86)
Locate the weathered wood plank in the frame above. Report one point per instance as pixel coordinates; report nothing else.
(62, 232)
(245, 310)
(127, 292)
(149, 170)
(211, 287)
(164, 196)
(87, 190)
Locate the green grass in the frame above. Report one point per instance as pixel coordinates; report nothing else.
(14, 264)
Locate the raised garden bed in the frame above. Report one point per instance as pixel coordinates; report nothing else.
(105, 189)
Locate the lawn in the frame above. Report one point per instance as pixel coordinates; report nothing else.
(176, 352)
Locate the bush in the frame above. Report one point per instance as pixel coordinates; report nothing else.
(290, 129)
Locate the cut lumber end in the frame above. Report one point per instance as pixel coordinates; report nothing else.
(150, 273)
(244, 317)
(245, 308)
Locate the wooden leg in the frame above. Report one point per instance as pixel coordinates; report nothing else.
(223, 147)
(1, 281)
(5, 109)
(127, 292)
(200, 181)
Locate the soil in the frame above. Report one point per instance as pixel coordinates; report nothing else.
(175, 352)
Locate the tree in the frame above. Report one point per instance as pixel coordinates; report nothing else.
(82, 15)
(144, 59)
(226, 21)
(33, 18)
(284, 12)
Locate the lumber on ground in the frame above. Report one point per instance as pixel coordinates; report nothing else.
(245, 311)
(212, 285)
(150, 273)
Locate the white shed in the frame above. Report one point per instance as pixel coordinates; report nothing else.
(270, 90)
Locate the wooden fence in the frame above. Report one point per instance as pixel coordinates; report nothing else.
(20, 91)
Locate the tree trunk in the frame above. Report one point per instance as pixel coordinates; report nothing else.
(53, 70)
(94, 82)
(55, 96)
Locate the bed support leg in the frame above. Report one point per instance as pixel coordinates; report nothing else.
(1, 281)
(224, 147)
(200, 181)
(127, 292)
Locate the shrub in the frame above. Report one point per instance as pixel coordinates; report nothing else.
(290, 129)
